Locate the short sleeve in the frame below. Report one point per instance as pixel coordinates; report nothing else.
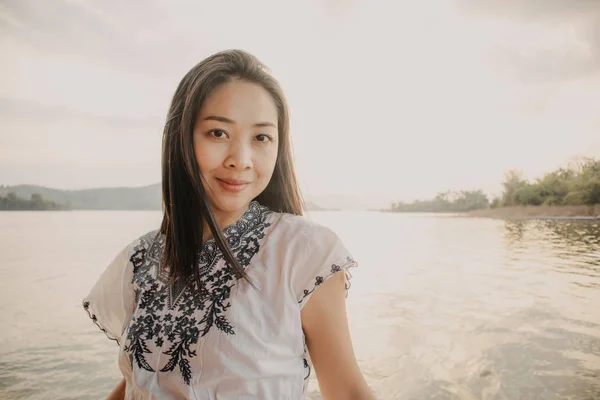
(111, 300)
(326, 255)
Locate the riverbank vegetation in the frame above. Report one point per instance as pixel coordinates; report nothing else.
(449, 201)
(575, 188)
(12, 202)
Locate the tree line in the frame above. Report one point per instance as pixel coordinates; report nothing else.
(13, 202)
(450, 201)
(576, 184)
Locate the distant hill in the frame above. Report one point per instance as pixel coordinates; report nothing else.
(119, 198)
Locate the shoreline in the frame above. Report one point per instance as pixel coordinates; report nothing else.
(579, 212)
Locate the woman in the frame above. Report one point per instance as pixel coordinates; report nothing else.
(231, 295)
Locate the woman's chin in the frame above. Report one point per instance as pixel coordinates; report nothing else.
(231, 205)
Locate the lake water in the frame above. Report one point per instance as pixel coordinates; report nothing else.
(440, 308)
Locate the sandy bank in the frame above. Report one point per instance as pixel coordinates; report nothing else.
(539, 212)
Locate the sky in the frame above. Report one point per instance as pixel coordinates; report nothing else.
(392, 100)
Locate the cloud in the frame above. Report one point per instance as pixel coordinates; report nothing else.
(540, 41)
(66, 147)
(136, 38)
(528, 9)
(58, 26)
(16, 108)
(400, 92)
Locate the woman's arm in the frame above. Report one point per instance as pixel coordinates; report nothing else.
(328, 339)
(118, 393)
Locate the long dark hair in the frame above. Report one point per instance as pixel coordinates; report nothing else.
(185, 204)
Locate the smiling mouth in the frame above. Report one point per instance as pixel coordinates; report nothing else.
(232, 185)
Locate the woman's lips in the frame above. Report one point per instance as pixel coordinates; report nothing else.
(232, 185)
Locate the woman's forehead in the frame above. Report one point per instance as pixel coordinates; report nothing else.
(240, 102)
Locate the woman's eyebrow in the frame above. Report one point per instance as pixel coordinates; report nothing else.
(230, 121)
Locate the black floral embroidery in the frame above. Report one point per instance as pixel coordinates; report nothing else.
(137, 258)
(169, 318)
(320, 279)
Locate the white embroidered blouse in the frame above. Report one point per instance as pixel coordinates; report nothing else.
(233, 341)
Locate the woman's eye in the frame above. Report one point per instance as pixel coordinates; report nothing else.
(217, 133)
(263, 138)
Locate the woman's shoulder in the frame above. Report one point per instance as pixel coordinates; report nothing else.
(303, 228)
(150, 237)
(314, 253)
(305, 240)
(143, 242)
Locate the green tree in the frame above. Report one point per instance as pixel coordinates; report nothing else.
(513, 184)
(37, 202)
(575, 185)
(588, 182)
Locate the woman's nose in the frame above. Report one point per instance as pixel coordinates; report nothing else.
(240, 157)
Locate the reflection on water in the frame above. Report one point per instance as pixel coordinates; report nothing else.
(440, 308)
(573, 245)
(477, 309)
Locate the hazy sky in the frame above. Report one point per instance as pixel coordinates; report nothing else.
(398, 99)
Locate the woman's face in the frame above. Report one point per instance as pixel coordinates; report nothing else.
(235, 143)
